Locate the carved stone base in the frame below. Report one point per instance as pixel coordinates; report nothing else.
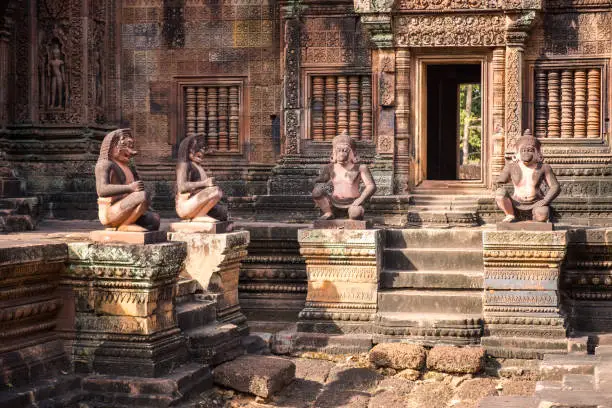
(117, 391)
(343, 268)
(121, 297)
(29, 306)
(521, 304)
(341, 224)
(142, 238)
(213, 260)
(218, 227)
(525, 226)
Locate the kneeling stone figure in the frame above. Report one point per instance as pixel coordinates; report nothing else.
(529, 174)
(345, 175)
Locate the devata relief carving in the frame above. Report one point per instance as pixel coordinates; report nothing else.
(529, 175)
(122, 202)
(344, 173)
(197, 195)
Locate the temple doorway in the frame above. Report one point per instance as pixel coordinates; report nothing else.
(454, 96)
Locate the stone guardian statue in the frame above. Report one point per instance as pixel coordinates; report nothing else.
(197, 197)
(529, 175)
(345, 175)
(122, 202)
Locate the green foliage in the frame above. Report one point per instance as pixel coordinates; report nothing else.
(475, 119)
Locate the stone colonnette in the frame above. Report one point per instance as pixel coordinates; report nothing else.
(521, 304)
(343, 268)
(125, 329)
(29, 305)
(213, 260)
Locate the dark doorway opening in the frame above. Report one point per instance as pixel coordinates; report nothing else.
(454, 122)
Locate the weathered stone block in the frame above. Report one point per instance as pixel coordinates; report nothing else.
(121, 300)
(29, 308)
(258, 375)
(213, 260)
(343, 268)
(456, 360)
(398, 356)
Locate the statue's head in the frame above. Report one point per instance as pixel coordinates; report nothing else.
(344, 149)
(118, 146)
(528, 149)
(193, 148)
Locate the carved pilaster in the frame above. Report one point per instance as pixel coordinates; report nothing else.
(540, 103)
(521, 302)
(498, 65)
(516, 35)
(291, 85)
(366, 108)
(402, 121)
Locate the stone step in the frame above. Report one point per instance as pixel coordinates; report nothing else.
(554, 367)
(445, 218)
(604, 351)
(393, 278)
(524, 347)
(574, 399)
(578, 382)
(214, 343)
(194, 314)
(464, 259)
(434, 238)
(428, 319)
(430, 301)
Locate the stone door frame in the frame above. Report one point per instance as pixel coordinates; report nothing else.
(419, 96)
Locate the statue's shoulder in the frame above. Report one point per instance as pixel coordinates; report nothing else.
(362, 167)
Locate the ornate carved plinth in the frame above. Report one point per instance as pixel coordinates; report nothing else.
(343, 268)
(214, 261)
(121, 297)
(521, 304)
(29, 304)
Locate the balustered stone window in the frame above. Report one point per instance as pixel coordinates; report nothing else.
(214, 108)
(568, 101)
(340, 103)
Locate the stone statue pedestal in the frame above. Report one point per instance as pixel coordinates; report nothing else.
(120, 298)
(213, 260)
(343, 268)
(521, 304)
(342, 224)
(218, 227)
(525, 226)
(126, 237)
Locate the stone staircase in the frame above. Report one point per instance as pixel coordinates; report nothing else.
(208, 340)
(443, 204)
(431, 287)
(576, 380)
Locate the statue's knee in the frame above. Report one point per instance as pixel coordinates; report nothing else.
(541, 213)
(501, 192)
(217, 193)
(318, 192)
(141, 196)
(356, 212)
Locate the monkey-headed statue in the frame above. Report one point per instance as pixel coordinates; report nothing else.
(345, 175)
(122, 202)
(197, 196)
(529, 175)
